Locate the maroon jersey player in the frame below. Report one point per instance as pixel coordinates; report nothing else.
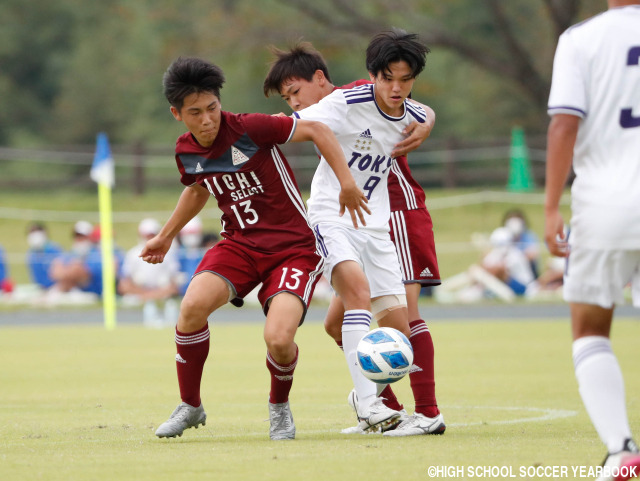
(266, 237)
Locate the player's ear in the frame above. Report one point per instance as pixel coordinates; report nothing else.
(372, 77)
(320, 77)
(175, 112)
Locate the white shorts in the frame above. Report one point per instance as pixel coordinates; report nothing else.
(376, 256)
(600, 276)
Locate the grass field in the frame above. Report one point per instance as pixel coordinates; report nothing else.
(83, 403)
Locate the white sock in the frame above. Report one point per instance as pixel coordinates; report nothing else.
(602, 389)
(354, 327)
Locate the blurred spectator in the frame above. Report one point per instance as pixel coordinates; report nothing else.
(506, 261)
(504, 272)
(6, 285)
(80, 269)
(191, 250)
(42, 251)
(524, 238)
(151, 284)
(549, 284)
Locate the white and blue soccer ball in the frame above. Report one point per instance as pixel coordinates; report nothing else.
(385, 355)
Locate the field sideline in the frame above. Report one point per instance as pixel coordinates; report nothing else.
(80, 403)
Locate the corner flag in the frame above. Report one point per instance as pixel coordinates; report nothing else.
(102, 172)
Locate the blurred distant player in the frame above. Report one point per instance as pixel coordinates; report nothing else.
(595, 108)
(301, 77)
(362, 265)
(267, 239)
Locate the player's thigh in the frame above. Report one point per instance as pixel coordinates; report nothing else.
(599, 277)
(412, 234)
(381, 267)
(351, 284)
(294, 271)
(206, 293)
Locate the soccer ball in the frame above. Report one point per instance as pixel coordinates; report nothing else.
(385, 355)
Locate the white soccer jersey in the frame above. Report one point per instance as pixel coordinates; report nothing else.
(367, 136)
(596, 76)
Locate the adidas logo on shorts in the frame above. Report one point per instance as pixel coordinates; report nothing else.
(426, 273)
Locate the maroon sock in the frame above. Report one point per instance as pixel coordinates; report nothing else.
(193, 349)
(422, 376)
(281, 379)
(390, 400)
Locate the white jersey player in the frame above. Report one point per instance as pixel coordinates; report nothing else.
(595, 105)
(367, 136)
(362, 264)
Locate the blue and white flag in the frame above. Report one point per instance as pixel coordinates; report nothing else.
(102, 170)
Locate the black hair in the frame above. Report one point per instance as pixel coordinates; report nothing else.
(394, 46)
(301, 61)
(188, 75)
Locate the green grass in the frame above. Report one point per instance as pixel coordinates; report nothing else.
(81, 403)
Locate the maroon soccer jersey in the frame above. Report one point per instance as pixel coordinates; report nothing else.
(251, 180)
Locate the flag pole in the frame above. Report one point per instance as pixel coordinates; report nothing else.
(102, 172)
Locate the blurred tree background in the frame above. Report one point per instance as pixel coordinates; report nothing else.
(71, 68)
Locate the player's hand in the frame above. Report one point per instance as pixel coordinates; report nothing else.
(155, 249)
(353, 198)
(554, 234)
(416, 133)
(279, 114)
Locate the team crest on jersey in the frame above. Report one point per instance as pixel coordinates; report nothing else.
(237, 156)
(363, 142)
(231, 159)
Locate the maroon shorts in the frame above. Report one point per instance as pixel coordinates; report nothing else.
(412, 234)
(293, 270)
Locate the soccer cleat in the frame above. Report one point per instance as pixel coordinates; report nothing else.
(623, 465)
(417, 424)
(377, 417)
(184, 417)
(281, 419)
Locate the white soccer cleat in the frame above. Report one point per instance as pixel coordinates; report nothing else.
(623, 465)
(418, 424)
(183, 417)
(376, 417)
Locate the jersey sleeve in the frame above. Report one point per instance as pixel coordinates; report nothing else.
(268, 130)
(183, 144)
(331, 111)
(568, 89)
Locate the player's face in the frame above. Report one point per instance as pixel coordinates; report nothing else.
(393, 87)
(201, 114)
(300, 93)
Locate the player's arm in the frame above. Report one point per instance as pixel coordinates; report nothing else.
(191, 201)
(416, 132)
(351, 196)
(561, 138)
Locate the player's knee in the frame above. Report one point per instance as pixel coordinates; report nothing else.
(333, 328)
(193, 315)
(279, 345)
(384, 305)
